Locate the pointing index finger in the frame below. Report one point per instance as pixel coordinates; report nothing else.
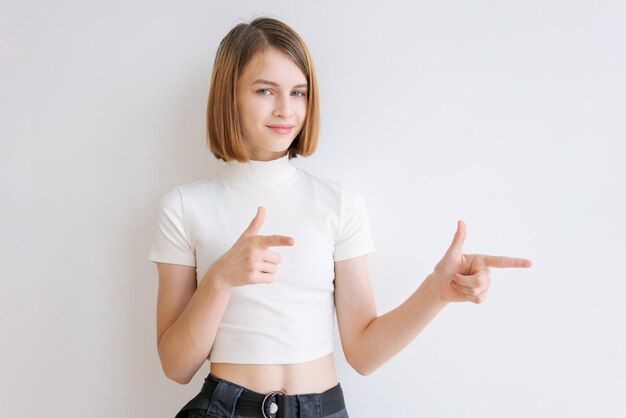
(274, 240)
(501, 261)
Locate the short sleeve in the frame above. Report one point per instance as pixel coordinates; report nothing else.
(170, 241)
(354, 238)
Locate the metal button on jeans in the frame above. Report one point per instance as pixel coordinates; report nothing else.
(273, 405)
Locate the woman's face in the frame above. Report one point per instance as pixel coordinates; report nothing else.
(271, 101)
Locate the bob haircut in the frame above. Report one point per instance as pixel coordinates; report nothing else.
(236, 49)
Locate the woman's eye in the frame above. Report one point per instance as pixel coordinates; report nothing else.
(267, 92)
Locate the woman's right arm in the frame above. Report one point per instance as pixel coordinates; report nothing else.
(187, 318)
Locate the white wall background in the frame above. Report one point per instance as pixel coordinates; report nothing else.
(508, 115)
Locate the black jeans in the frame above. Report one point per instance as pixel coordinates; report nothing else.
(220, 398)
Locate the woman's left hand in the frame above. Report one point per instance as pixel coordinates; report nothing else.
(462, 277)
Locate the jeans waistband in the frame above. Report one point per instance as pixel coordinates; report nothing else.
(275, 404)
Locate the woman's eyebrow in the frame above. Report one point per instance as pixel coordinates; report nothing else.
(272, 83)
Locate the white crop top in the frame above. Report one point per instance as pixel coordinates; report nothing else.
(291, 319)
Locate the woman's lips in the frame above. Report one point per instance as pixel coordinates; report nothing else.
(281, 129)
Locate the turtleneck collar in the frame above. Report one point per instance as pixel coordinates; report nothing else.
(259, 173)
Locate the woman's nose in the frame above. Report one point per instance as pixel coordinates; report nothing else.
(283, 107)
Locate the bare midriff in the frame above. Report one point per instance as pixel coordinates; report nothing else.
(314, 376)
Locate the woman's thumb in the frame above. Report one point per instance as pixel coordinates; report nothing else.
(256, 223)
(458, 240)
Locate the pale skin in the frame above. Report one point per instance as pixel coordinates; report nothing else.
(188, 314)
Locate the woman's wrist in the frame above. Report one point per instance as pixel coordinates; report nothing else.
(432, 288)
(214, 278)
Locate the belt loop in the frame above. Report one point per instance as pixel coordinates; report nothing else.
(300, 407)
(318, 404)
(223, 400)
(288, 406)
(310, 405)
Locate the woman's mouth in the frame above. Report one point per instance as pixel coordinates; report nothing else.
(281, 129)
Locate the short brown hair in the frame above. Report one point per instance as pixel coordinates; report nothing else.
(234, 52)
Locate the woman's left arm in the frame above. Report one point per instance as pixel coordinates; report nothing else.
(369, 340)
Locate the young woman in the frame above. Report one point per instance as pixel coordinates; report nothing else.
(255, 261)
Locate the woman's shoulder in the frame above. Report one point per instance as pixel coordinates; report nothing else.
(339, 187)
(321, 181)
(190, 189)
(201, 184)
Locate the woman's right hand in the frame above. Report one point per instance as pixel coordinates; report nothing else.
(249, 261)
